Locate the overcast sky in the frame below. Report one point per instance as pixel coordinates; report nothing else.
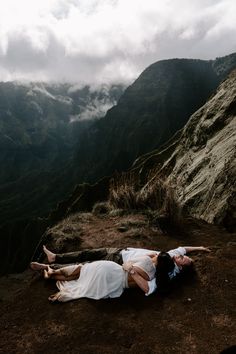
(101, 41)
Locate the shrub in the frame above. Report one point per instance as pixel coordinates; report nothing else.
(101, 208)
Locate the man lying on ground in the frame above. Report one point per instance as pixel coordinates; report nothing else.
(117, 255)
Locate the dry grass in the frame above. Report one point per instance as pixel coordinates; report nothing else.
(156, 195)
(123, 191)
(117, 212)
(68, 231)
(101, 208)
(133, 223)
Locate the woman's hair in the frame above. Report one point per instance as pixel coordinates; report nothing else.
(165, 265)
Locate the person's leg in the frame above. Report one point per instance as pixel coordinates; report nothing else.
(75, 274)
(50, 255)
(114, 254)
(87, 255)
(50, 273)
(41, 266)
(66, 273)
(38, 266)
(57, 277)
(59, 266)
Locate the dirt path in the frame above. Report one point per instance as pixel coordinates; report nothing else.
(197, 317)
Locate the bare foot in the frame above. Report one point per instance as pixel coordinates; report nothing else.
(45, 274)
(53, 297)
(38, 266)
(48, 272)
(50, 255)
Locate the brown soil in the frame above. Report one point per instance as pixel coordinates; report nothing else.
(197, 317)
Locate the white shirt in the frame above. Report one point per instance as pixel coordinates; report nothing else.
(130, 253)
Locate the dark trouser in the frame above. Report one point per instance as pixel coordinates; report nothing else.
(89, 255)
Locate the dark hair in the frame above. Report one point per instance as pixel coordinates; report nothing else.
(165, 265)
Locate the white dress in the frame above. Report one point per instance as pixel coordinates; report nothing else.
(102, 279)
(98, 280)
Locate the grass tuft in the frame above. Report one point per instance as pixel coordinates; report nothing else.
(156, 195)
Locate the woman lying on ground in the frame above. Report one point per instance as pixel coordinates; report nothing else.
(107, 279)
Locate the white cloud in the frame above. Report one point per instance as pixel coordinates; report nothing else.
(108, 40)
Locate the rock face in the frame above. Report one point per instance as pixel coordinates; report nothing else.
(201, 162)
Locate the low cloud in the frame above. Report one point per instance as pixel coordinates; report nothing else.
(95, 41)
(99, 100)
(94, 110)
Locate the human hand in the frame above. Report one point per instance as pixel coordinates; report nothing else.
(127, 266)
(204, 249)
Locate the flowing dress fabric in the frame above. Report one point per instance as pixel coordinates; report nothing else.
(98, 280)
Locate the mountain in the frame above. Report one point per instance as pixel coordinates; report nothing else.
(40, 126)
(110, 144)
(149, 112)
(47, 145)
(200, 161)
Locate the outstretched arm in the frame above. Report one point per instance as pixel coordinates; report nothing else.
(197, 248)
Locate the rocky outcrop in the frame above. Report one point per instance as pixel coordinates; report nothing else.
(203, 164)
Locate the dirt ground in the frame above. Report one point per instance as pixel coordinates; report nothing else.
(197, 317)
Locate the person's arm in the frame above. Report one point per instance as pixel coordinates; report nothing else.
(198, 248)
(127, 266)
(139, 280)
(152, 255)
(181, 251)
